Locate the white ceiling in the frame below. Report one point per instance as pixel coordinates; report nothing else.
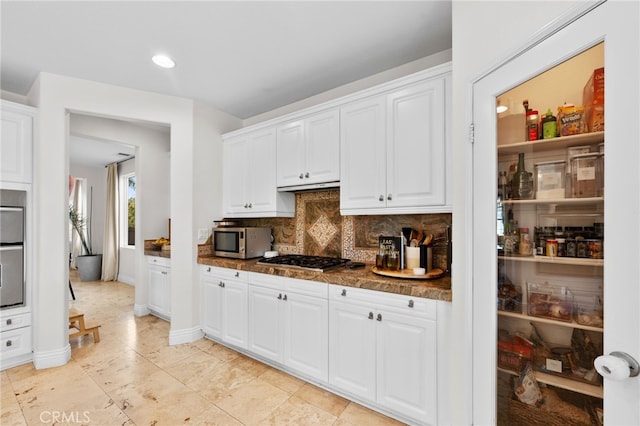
(241, 57)
(91, 152)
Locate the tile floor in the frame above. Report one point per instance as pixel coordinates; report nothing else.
(133, 377)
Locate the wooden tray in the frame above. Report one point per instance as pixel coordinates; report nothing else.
(408, 274)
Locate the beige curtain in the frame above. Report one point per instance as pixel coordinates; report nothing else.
(77, 201)
(110, 246)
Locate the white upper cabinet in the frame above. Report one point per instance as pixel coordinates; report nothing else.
(308, 150)
(16, 144)
(394, 150)
(249, 177)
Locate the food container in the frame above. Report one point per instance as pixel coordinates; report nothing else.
(588, 309)
(571, 120)
(587, 175)
(513, 356)
(549, 181)
(593, 101)
(549, 301)
(572, 152)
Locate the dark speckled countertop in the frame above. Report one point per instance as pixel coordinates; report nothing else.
(438, 289)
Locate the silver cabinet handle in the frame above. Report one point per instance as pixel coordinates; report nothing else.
(220, 284)
(284, 298)
(370, 315)
(381, 198)
(9, 343)
(379, 317)
(237, 274)
(301, 176)
(344, 292)
(411, 303)
(250, 206)
(245, 205)
(389, 197)
(280, 296)
(164, 272)
(306, 175)
(9, 321)
(209, 269)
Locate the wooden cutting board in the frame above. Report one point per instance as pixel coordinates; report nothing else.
(408, 274)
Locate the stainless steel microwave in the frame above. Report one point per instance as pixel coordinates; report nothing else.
(241, 243)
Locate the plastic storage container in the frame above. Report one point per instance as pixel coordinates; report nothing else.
(549, 180)
(548, 301)
(587, 175)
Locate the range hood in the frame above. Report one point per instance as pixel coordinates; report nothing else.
(309, 187)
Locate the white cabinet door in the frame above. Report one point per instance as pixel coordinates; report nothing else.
(16, 143)
(416, 145)
(306, 335)
(352, 349)
(249, 177)
(363, 154)
(322, 148)
(406, 365)
(308, 150)
(234, 312)
(261, 172)
(265, 322)
(212, 305)
(290, 154)
(235, 169)
(159, 291)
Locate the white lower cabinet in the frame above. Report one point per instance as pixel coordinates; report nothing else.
(159, 281)
(383, 350)
(224, 309)
(288, 323)
(15, 339)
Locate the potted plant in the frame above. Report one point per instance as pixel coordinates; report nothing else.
(89, 264)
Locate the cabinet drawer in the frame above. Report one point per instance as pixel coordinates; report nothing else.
(266, 280)
(305, 287)
(159, 261)
(224, 273)
(426, 308)
(13, 322)
(15, 342)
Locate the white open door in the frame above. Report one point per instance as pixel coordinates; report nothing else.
(616, 25)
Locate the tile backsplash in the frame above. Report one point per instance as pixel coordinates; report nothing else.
(319, 229)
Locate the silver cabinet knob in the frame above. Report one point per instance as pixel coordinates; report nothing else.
(250, 205)
(306, 175)
(209, 269)
(301, 176)
(220, 284)
(164, 272)
(381, 198)
(246, 205)
(389, 197)
(284, 298)
(9, 343)
(237, 274)
(411, 303)
(280, 296)
(379, 317)
(344, 292)
(370, 315)
(9, 321)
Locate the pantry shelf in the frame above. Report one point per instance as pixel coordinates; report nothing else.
(551, 144)
(563, 383)
(556, 260)
(570, 324)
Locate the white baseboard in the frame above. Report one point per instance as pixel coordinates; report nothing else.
(48, 359)
(127, 280)
(178, 337)
(140, 310)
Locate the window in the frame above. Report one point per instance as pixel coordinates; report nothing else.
(128, 210)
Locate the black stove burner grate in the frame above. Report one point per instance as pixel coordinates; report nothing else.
(312, 263)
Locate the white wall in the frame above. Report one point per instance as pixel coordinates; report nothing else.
(484, 33)
(365, 83)
(55, 96)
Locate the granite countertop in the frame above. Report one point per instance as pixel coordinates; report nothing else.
(157, 252)
(438, 289)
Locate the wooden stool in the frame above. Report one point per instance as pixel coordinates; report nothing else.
(77, 326)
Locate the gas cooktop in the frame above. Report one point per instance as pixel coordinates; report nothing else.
(309, 263)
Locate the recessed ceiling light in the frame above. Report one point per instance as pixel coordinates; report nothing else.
(163, 61)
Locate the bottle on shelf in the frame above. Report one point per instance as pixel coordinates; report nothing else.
(522, 181)
(549, 125)
(503, 186)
